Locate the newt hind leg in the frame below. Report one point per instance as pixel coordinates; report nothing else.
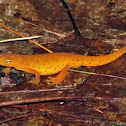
(61, 76)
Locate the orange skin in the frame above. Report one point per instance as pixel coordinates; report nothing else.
(51, 63)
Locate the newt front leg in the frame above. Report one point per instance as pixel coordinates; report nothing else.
(6, 70)
(37, 75)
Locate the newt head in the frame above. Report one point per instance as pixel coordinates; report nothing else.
(9, 60)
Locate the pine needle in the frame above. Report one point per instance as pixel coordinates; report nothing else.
(105, 75)
(18, 39)
(19, 34)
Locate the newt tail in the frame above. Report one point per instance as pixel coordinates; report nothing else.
(99, 60)
(52, 63)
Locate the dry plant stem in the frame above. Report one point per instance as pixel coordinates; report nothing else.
(35, 91)
(19, 34)
(52, 32)
(64, 113)
(13, 118)
(55, 33)
(49, 99)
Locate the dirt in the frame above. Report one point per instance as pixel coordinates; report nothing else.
(102, 27)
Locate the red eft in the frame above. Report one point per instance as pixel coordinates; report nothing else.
(51, 63)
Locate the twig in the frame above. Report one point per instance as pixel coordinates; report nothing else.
(71, 17)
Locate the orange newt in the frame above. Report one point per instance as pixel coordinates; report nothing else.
(52, 63)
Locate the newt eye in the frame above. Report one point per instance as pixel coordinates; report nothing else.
(8, 61)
